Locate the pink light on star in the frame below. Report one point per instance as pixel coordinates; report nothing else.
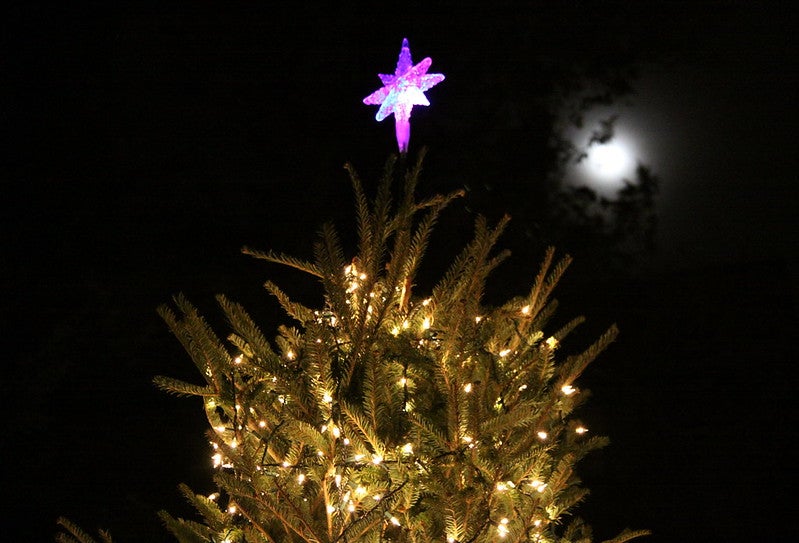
(402, 91)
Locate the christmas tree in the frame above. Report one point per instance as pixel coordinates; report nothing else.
(385, 416)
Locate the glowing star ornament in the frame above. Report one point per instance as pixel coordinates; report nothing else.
(402, 91)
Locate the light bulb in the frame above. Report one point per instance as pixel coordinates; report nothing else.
(542, 435)
(568, 390)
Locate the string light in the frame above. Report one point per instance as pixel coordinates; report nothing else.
(467, 387)
(551, 342)
(395, 521)
(232, 509)
(262, 424)
(290, 354)
(327, 398)
(504, 352)
(407, 448)
(538, 485)
(477, 319)
(542, 435)
(376, 459)
(581, 430)
(426, 323)
(526, 310)
(502, 528)
(568, 390)
(301, 478)
(238, 359)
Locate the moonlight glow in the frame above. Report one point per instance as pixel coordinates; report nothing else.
(610, 161)
(402, 91)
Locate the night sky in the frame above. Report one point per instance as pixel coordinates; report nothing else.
(146, 144)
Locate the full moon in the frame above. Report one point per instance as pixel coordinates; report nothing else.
(610, 161)
(606, 166)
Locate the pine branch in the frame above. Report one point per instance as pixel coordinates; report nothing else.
(628, 535)
(284, 259)
(182, 388)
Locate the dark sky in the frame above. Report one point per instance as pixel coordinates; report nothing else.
(146, 144)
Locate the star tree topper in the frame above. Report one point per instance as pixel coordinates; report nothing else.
(402, 91)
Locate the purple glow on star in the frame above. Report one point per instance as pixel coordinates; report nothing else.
(402, 91)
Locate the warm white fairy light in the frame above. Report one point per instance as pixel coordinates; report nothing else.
(377, 497)
(331, 509)
(232, 509)
(540, 486)
(358, 457)
(581, 430)
(238, 360)
(220, 429)
(504, 352)
(217, 458)
(542, 435)
(337, 479)
(290, 354)
(360, 491)
(502, 527)
(526, 310)
(403, 381)
(551, 342)
(351, 506)
(262, 424)
(568, 390)
(395, 521)
(327, 398)
(213, 496)
(477, 319)
(377, 459)
(234, 443)
(301, 478)
(467, 387)
(537, 522)
(407, 448)
(346, 441)
(523, 387)
(395, 331)
(426, 323)
(450, 539)
(336, 432)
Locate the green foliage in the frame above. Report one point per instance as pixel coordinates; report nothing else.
(74, 534)
(385, 416)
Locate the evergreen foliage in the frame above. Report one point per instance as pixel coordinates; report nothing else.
(384, 416)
